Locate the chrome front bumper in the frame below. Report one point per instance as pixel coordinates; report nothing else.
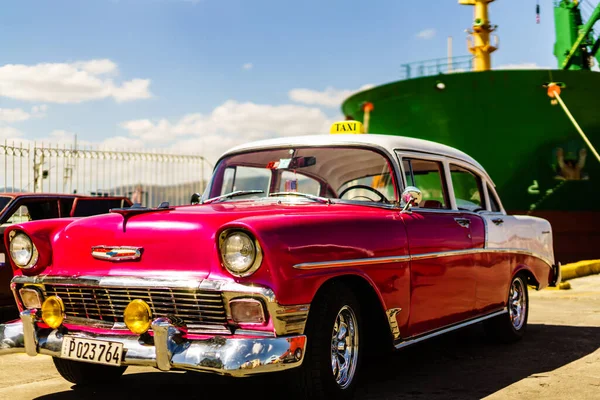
(171, 350)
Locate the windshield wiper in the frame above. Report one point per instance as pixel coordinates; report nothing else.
(232, 194)
(320, 199)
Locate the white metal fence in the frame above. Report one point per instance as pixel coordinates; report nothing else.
(89, 171)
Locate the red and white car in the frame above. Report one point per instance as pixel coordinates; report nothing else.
(301, 254)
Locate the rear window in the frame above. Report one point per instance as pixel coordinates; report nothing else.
(89, 207)
(468, 190)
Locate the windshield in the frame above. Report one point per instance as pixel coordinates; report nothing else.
(4, 200)
(348, 173)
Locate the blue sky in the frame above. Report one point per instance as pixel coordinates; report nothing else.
(200, 76)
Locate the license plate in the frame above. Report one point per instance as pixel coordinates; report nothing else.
(92, 351)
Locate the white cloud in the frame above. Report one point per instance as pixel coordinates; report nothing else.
(69, 83)
(61, 137)
(39, 111)
(521, 66)
(18, 114)
(247, 66)
(426, 34)
(229, 124)
(330, 97)
(9, 133)
(13, 115)
(97, 67)
(122, 143)
(132, 90)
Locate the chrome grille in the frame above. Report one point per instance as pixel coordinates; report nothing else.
(192, 306)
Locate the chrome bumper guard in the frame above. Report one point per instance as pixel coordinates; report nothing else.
(171, 350)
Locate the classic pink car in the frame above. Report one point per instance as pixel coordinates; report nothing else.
(301, 253)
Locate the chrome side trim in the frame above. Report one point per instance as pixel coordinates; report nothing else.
(423, 256)
(480, 251)
(353, 262)
(418, 339)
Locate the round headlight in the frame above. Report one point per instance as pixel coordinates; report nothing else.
(241, 254)
(53, 312)
(137, 316)
(23, 251)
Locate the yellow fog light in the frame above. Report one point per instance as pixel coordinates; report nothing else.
(137, 316)
(53, 312)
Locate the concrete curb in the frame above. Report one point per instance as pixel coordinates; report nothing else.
(579, 269)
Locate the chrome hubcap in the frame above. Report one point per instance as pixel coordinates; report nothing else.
(344, 347)
(517, 304)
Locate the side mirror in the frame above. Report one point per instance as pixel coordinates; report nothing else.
(195, 199)
(411, 197)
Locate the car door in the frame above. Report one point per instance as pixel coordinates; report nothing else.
(439, 237)
(490, 269)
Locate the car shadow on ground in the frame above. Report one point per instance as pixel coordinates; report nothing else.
(461, 365)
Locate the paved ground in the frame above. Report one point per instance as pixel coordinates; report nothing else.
(558, 359)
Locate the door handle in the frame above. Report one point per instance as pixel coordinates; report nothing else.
(498, 221)
(464, 222)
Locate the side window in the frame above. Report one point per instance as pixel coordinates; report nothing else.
(42, 209)
(96, 206)
(467, 189)
(21, 215)
(65, 207)
(295, 182)
(494, 206)
(428, 177)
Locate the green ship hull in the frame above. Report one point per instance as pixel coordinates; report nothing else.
(505, 120)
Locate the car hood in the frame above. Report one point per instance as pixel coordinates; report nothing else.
(179, 241)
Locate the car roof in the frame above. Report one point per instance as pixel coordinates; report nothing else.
(387, 142)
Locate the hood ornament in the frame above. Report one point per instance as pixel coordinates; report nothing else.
(116, 253)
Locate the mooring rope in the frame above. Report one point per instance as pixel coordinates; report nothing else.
(564, 107)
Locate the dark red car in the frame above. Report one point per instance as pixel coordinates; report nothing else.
(22, 207)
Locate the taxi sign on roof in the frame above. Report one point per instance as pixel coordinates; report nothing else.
(347, 127)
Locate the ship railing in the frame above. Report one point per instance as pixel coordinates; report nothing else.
(437, 66)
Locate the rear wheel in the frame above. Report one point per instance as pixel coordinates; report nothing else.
(81, 373)
(334, 350)
(511, 327)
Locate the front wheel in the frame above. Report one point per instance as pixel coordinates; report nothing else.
(334, 350)
(81, 373)
(511, 327)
